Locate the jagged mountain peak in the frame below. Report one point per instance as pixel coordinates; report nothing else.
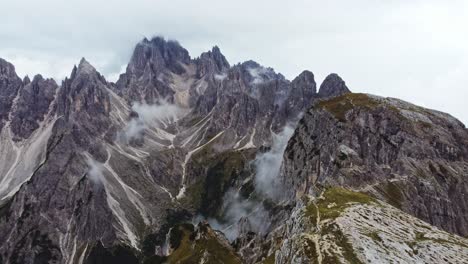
(250, 64)
(26, 80)
(305, 74)
(333, 85)
(212, 61)
(85, 67)
(255, 73)
(85, 91)
(10, 83)
(36, 77)
(304, 86)
(306, 77)
(216, 49)
(85, 72)
(6, 68)
(157, 55)
(160, 41)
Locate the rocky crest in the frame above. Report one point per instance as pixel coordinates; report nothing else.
(409, 156)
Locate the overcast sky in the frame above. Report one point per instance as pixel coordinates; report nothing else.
(413, 50)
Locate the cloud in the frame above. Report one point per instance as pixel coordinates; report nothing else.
(268, 164)
(133, 130)
(161, 113)
(239, 213)
(158, 115)
(95, 170)
(376, 46)
(220, 77)
(259, 74)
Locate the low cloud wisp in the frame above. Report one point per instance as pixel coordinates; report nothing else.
(268, 164)
(158, 115)
(240, 214)
(95, 170)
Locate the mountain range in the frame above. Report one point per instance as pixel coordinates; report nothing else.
(194, 160)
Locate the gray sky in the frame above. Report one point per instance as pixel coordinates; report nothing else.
(414, 50)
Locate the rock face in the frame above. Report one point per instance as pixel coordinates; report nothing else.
(10, 83)
(48, 215)
(333, 86)
(84, 168)
(33, 105)
(97, 172)
(409, 156)
(152, 62)
(212, 62)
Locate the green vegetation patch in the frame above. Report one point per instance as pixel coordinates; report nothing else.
(207, 247)
(311, 212)
(343, 242)
(336, 200)
(219, 170)
(310, 250)
(374, 236)
(207, 193)
(270, 259)
(340, 105)
(421, 237)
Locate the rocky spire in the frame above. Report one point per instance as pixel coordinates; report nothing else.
(149, 71)
(86, 67)
(157, 55)
(333, 86)
(306, 79)
(84, 94)
(211, 62)
(297, 98)
(303, 90)
(26, 80)
(86, 70)
(219, 57)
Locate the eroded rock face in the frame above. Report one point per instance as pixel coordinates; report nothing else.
(146, 76)
(414, 158)
(84, 100)
(212, 62)
(106, 175)
(10, 83)
(60, 208)
(33, 105)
